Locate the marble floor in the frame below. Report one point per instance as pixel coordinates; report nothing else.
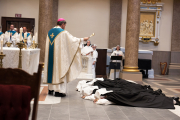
(72, 107)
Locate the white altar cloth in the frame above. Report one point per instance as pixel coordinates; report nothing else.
(30, 59)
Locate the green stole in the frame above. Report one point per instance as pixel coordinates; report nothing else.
(52, 36)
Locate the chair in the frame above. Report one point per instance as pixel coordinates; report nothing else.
(17, 89)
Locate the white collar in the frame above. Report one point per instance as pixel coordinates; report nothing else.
(57, 26)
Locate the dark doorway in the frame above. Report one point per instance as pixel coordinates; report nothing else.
(29, 23)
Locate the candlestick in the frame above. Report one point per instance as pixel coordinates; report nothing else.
(20, 46)
(1, 58)
(25, 43)
(8, 44)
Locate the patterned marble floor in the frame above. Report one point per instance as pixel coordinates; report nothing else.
(73, 107)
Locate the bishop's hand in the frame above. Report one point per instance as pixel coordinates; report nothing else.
(86, 38)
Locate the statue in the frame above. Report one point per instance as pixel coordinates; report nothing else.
(151, 27)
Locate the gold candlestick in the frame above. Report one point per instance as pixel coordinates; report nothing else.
(34, 45)
(20, 46)
(25, 43)
(8, 44)
(1, 58)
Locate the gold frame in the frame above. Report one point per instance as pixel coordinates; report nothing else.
(154, 28)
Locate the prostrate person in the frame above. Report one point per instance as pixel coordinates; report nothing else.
(128, 93)
(95, 56)
(11, 36)
(117, 52)
(87, 50)
(62, 58)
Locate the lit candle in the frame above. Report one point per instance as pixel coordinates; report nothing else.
(9, 37)
(36, 39)
(2, 45)
(25, 35)
(33, 38)
(21, 30)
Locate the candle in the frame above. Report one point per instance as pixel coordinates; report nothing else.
(36, 39)
(2, 45)
(33, 38)
(25, 35)
(9, 37)
(21, 30)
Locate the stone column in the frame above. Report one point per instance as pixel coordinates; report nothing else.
(115, 23)
(132, 36)
(175, 41)
(174, 67)
(47, 14)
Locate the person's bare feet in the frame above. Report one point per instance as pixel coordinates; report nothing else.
(95, 100)
(83, 96)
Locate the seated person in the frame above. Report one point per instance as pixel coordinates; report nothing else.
(117, 52)
(87, 49)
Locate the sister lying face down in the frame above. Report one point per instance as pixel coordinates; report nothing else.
(123, 92)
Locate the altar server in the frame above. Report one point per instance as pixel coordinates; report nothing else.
(95, 56)
(11, 36)
(62, 58)
(117, 52)
(87, 50)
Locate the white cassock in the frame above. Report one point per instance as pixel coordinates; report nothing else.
(95, 56)
(116, 53)
(14, 38)
(67, 62)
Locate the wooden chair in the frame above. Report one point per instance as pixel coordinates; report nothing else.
(15, 77)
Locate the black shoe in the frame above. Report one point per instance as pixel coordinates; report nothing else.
(177, 100)
(57, 94)
(50, 92)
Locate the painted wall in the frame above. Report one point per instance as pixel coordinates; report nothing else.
(85, 17)
(28, 9)
(165, 28)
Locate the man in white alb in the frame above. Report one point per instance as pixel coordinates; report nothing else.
(95, 56)
(11, 36)
(62, 58)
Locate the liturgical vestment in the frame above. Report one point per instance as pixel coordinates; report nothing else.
(62, 59)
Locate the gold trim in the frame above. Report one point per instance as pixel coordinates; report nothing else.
(69, 65)
(154, 28)
(72, 60)
(55, 37)
(131, 69)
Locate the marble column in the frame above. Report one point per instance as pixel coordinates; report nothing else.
(132, 36)
(48, 15)
(175, 41)
(115, 23)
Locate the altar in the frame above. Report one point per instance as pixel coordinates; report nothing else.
(30, 59)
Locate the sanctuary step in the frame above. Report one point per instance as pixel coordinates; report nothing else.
(174, 69)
